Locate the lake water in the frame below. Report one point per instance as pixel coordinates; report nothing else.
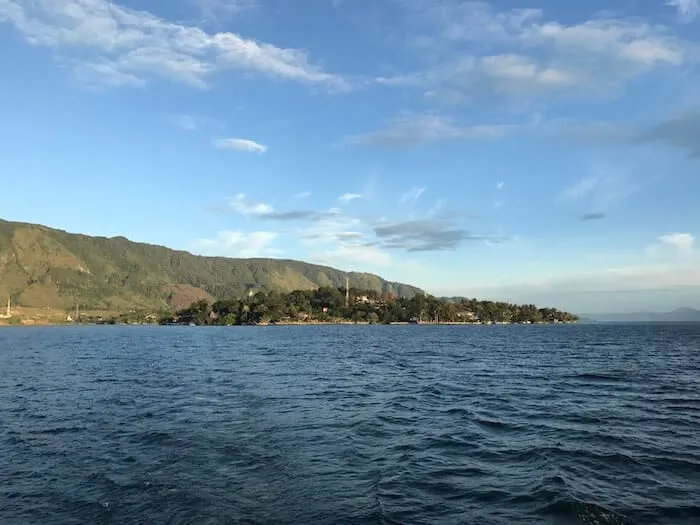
(350, 425)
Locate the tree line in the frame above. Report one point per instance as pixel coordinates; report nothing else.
(327, 304)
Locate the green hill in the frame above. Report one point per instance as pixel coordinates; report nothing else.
(45, 267)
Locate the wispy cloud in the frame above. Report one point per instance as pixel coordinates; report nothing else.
(124, 46)
(604, 188)
(427, 235)
(332, 228)
(417, 130)
(588, 133)
(185, 122)
(242, 205)
(436, 208)
(223, 10)
(412, 195)
(103, 73)
(499, 185)
(238, 244)
(580, 189)
(240, 144)
(536, 57)
(347, 197)
(688, 10)
(302, 195)
(682, 132)
(335, 230)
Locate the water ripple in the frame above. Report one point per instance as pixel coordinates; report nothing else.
(351, 425)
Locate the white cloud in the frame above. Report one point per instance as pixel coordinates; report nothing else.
(302, 195)
(241, 145)
(347, 197)
(622, 42)
(682, 242)
(416, 130)
(688, 10)
(534, 56)
(242, 205)
(412, 195)
(674, 244)
(238, 244)
(124, 46)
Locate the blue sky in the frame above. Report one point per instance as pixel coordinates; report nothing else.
(543, 152)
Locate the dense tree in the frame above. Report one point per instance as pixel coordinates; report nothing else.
(327, 304)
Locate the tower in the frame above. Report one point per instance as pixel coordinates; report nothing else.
(347, 291)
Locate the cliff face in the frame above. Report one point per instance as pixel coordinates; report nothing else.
(41, 266)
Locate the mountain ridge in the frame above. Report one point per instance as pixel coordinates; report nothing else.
(42, 266)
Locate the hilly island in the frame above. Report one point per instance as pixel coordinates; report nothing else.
(49, 275)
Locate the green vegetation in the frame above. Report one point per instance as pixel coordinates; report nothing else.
(48, 268)
(328, 304)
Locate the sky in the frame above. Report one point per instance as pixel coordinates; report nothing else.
(542, 152)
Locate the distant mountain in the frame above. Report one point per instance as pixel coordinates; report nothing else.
(41, 266)
(681, 315)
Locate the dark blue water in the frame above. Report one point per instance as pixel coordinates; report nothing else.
(350, 425)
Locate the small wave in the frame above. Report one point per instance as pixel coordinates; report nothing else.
(586, 512)
(58, 430)
(590, 377)
(497, 427)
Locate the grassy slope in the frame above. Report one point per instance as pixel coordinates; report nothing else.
(44, 267)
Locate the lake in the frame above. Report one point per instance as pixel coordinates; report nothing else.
(592, 424)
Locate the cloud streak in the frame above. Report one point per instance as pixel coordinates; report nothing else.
(682, 132)
(412, 195)
(122, 46)
(242, 205)
(347, 197)
(427, 235)
(418, 130)
(241, 145)
(334, 227)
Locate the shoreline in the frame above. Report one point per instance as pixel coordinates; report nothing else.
(34, 323)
